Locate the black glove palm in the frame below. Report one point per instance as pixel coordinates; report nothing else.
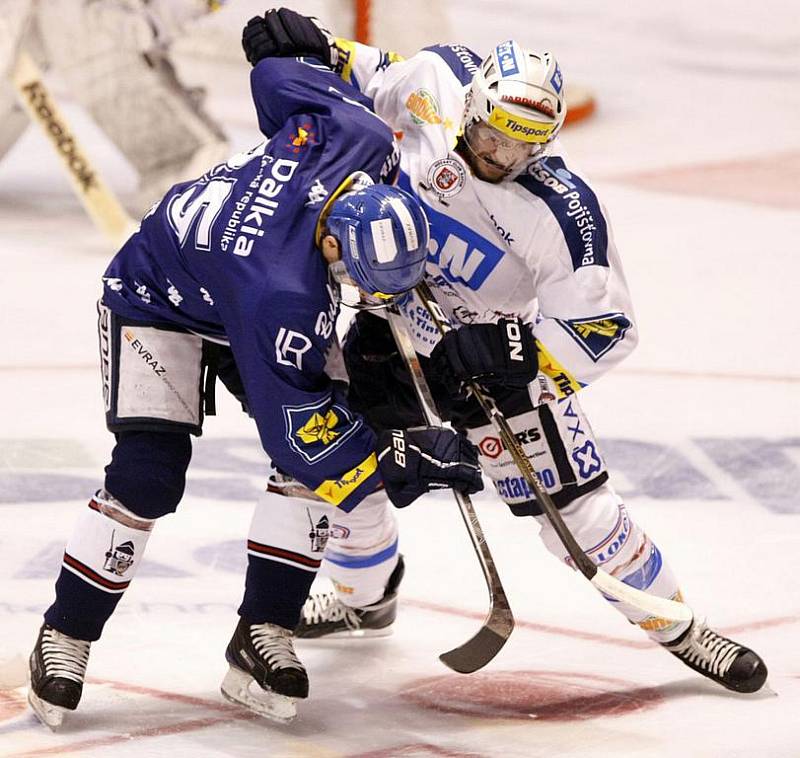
(496, 355)
(415, 462)
(282, 33)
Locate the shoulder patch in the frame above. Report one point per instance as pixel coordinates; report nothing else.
(597, 335)
(575, 207)
(463, 62)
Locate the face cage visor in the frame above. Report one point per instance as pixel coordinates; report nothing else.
(503, 153)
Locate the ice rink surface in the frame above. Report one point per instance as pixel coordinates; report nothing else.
(695, 151)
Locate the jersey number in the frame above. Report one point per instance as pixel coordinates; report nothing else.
(197, 208)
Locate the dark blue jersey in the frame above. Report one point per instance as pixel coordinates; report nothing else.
(232, 256)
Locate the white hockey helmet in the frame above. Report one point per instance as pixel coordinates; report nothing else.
(519, 93)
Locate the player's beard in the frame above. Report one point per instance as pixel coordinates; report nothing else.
(482, 165)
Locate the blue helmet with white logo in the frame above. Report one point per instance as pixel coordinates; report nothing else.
(383, 236)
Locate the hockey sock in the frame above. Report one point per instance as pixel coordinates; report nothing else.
(362, 551)
(604, 529)
(100, 560)
(284, 551)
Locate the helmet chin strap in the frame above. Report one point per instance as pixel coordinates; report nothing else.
(361, 300)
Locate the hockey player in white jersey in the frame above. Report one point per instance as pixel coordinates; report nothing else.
(517, 235)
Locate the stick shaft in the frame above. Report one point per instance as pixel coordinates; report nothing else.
(497, 594)
(608, 584)
(99, 201)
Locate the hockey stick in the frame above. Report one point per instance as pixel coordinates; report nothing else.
(607, 584)
(476, 652)
(100, 203)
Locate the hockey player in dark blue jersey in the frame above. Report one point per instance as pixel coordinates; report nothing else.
(244, 264)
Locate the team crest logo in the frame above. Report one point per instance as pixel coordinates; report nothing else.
(315, 430)
(319, 533)
(302, 137)
(596, 336)
(319, 429)
(119, 558)
(446, 177)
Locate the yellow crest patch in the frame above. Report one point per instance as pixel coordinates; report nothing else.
(319, 428)
(605, 328)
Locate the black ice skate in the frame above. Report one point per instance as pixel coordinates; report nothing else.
(264, 654)
(57, 669)
(726, 662)
(324, 615)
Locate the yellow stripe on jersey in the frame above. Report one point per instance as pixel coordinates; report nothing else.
(566, 383)
(335, 491)
(347, 56)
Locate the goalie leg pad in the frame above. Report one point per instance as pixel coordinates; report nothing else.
(115, 65)
(100, 560)
(604, 529)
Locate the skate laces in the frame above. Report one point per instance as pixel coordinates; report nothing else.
(705, 648)
(274, 644)
(64, 656)
(326, 607)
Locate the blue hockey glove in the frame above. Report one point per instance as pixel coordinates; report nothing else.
(283, 33)
(415, 462)
(496, 355)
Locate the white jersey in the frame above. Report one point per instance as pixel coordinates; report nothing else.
(538, 247)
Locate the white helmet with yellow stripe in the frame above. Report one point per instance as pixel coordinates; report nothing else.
(515, 106)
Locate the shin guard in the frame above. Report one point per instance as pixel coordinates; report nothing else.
(100, 560)
(362, 551)
(603, 528)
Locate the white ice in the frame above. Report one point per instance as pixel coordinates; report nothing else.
(695, 152)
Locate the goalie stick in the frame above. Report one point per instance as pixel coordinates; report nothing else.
(603, 581)
(99, 201)
(476, 652)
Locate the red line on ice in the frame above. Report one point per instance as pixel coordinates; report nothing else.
(590, 636)
(228, 712)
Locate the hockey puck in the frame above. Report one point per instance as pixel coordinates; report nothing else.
(539, 695)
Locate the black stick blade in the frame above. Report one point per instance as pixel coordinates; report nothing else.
(475, 653)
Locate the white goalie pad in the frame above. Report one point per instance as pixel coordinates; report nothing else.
(114, 59)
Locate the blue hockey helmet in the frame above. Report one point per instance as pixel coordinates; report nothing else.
(383, 236)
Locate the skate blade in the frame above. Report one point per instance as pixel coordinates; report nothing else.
(347, 634)
(236, 688)
(50, 715)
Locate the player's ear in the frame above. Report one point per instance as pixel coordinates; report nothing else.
(331, 251)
